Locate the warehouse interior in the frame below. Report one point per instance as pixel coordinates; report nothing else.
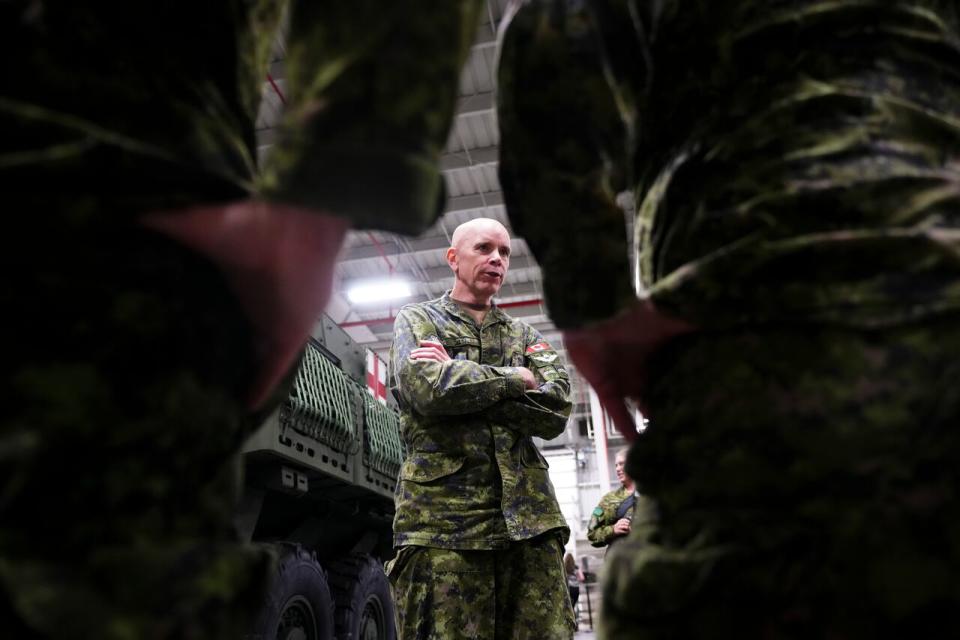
(582, 459)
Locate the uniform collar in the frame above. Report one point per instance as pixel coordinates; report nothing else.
(494, 316)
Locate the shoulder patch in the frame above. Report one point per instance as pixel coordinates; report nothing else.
(544, 357)
(550, 374)
(598, 511)
(540, 346)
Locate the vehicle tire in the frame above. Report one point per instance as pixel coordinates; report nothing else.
(298, 604)
(364, 605)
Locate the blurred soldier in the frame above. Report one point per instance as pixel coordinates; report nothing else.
(574, 578)
(610, 521)
(796, 338)
(158, 285)
(478, 527)
(622, 512)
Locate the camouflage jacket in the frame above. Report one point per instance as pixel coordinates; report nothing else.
(600, 530)
(143, 108)
(788, 160)
(472, 477)
(643, 514)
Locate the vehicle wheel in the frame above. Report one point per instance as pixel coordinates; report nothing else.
(364, 606)
(298, 604)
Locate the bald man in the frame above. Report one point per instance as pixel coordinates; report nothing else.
(478, 529)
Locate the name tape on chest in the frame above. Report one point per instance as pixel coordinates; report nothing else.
(460, 341)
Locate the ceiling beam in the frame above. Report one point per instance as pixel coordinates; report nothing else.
(469, 202)
(477, 104)
(469, 158)
(486, 37)
(362, 252)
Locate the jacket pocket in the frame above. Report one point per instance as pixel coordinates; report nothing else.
(427, 467)
(462, 347)
(530, 456)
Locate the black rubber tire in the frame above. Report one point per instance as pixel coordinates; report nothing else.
(364, 604)
(298, 603)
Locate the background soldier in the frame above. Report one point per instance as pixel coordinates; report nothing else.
(163, 284)
(611, 519)
(478, 528)
(795, 344)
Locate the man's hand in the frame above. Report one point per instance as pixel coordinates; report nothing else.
(278, 260)
(429, 350)
(621, 527)
(529, 380)
(612, 355)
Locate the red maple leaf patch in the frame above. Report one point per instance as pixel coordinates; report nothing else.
(540, 346)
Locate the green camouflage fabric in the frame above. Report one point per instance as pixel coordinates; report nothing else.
(472, 477)
(518, 593)
(793, 166)
(642, 515)
(790, 160)
(121, 117)
(118, 474)
(600, 530)
(127, 356)
(831, 512)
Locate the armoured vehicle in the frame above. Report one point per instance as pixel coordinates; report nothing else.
(320, 476)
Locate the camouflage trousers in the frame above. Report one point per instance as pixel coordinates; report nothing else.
(125, 360)
(807, 486)
(516, 593)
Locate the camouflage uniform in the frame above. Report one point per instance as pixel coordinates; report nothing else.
(600, 530)
(640, 511)
(794, 168)
(473, 480)
(513, 593)
(123, 381)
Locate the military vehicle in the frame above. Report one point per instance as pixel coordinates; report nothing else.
(320, 476)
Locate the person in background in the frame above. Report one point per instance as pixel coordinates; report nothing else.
(610, 520)
(478, 530)
(622, 512)
(574, 578)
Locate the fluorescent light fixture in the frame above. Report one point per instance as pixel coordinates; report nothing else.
(375, 291)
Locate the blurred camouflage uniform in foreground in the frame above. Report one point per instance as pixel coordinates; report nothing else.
(475, 506)
(795, 168)
(128, 359)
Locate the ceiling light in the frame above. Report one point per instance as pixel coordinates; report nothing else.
(376, 291)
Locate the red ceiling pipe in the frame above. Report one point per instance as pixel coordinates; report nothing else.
(520, 303)
(383, 253)
(279, 93)
(390, 319)
(361, 323)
